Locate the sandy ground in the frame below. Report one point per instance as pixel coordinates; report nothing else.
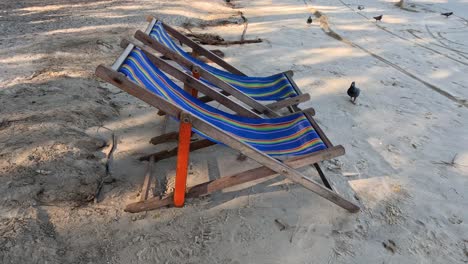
(406, 139)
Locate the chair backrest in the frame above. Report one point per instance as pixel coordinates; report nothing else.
(288, 135)
(160, 34)
(273, 87)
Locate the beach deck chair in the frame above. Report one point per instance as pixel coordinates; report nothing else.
(279, 87)
(292, 138)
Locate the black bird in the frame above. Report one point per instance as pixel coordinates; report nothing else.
(447, 14)
(360, 7)
(353, 92)
(378, 18)
(309, 20)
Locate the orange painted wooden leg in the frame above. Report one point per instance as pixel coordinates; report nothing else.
(196, 75)
(185, 131)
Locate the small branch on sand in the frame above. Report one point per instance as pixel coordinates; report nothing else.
(451, 163)
(216, 40)
(246, 24)
(245, 41)
(110, 159)
(7, 122)
(211, 23)
(280, 225)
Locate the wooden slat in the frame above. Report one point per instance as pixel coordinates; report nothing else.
(147, 182)
(122, 57)
(233, 180)
(221, 136)
(150, 25)
(196, 84)
(309, 111)
(165, 154)
(164, 138)
(207, 99)
(229, 89)
(289, 101)
(201, 51)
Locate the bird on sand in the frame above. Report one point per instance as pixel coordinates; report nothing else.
(309, 20)
(378, 18)
(353, 92)
(447, 14)
(360, 7)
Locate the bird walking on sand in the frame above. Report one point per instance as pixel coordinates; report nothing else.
(360, 7)
(447, 14)
(309, 20)
(378, 18)
(353, 92)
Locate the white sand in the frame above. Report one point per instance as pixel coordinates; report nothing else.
(410, 122)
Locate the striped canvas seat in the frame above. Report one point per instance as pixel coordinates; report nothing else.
(271, 88)
(290, 135)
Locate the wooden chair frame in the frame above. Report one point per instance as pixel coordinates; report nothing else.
(270, 165)
(227, 89)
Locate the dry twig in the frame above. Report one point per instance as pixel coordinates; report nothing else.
(110, 159)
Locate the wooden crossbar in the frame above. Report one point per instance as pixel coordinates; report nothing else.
(165, 154)
(164, 138)
(147, 182)
(211, 131)
(289, 101)
(122, 57)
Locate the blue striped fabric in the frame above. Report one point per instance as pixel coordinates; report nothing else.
(275, 87)
(290, 135)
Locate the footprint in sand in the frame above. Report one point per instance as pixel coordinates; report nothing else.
(393, 149)
(334, 164)
(208, 230)
(362, 164)
(454, 219)
(390, 245)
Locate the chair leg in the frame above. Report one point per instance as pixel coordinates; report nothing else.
(323, 177)
(183, 153)
(147, 182)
